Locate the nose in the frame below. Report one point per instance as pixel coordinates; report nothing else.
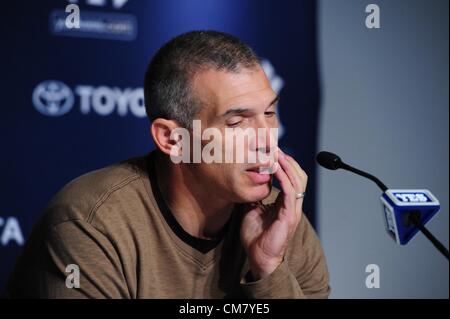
(266, 140)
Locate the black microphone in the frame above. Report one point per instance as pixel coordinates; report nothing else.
(329, 160)
(406, 211)
(332, 161)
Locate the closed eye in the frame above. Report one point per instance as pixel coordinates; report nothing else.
(234, 121)
(234, 124)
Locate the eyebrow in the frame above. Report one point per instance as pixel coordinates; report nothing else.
(240, 110)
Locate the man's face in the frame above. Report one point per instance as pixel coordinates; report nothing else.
(243, 100)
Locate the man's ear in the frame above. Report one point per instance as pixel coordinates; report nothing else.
(163, 133)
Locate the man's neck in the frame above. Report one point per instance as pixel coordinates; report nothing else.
(198, 212)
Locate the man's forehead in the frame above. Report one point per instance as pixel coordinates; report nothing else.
(223, 89)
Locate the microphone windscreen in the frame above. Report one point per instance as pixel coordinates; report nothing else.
(329, 160)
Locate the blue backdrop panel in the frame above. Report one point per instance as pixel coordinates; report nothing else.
(72, 99)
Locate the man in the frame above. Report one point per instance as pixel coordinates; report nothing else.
(157, 227)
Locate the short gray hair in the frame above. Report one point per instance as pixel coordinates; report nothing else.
(167, 88)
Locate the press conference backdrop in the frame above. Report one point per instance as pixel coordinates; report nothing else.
(73, 103)
(73, 100)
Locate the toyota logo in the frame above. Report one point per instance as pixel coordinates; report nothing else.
(53, 98)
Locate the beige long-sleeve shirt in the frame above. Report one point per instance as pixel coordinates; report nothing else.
(114, 226)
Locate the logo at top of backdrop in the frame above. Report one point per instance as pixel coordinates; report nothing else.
(117, 4)
(53, 98)
(95, 24)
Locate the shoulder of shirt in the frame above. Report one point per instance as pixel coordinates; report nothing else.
(82, 197)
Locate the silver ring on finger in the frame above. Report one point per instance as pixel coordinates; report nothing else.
(300, 195)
